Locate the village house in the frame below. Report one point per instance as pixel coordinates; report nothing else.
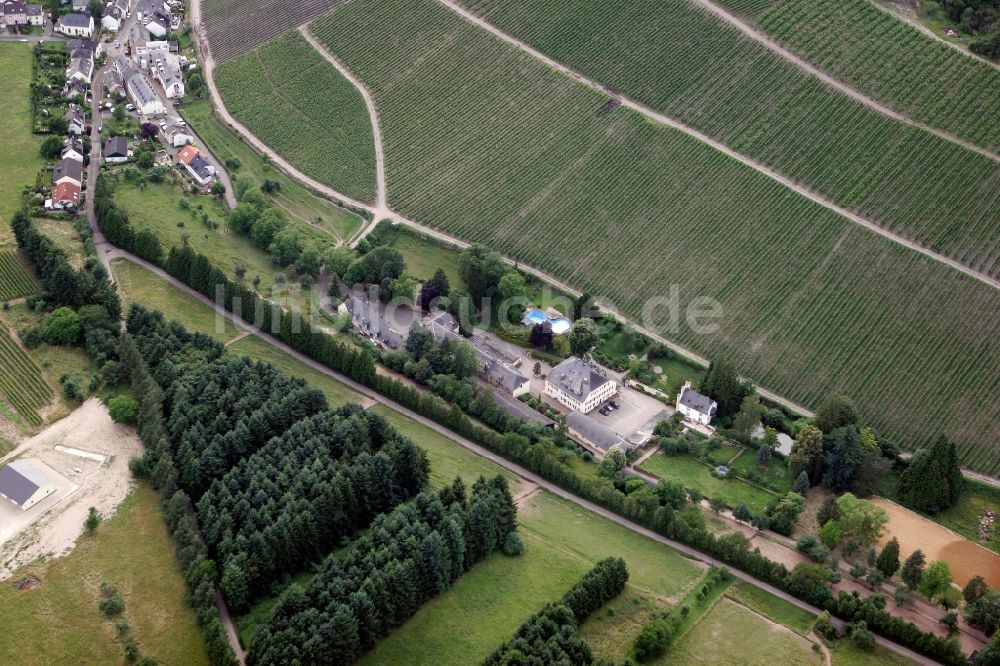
(695, 406)
(75, 89)
(139, 89)
(197, 166)
(67, 171)
(79, 48)
(72, 150)
(76, 120)
(64, 195)
(116, 150)
(579, 385)
(14, 14)
(80, 69)
(176, 133)
(76, 25)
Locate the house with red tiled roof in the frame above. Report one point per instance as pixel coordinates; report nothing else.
(187, 153)
(64, 195)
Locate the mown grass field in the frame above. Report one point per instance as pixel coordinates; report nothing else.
(295, 101)
(292, 197)
(889, 60)
(66, 237)
(58, 622)
(488, 144)
(137, 285)
(16, 279)
(725, 84)
(20, 147)
(693, 474)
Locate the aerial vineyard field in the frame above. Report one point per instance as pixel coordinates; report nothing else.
(15, 278)
(21, 380)
(236, 26)
(712, 77)
(891, 61)
(488, 144)
(288, 95)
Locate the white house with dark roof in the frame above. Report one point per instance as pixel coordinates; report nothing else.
(67, 170)
(76, 25)
(76, 120)
(80, 69)
(594, 435)
(72, 150)
(24, 484)
(695, 406)
(115, 150)
(579, 385)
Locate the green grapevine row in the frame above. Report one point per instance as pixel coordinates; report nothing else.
(15, 279)
(21, 380)
(288, 95)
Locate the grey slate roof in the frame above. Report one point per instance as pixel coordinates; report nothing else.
(495, 367)
(595, 433)
(20, 480)
(368, 318)
(576, 377)
(75, 20)
(696, 401)
(116, 146)
(201, 167)
(67, 167)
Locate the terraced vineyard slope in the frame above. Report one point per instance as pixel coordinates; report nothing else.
(886, 58)
(15, 278)
(21, 380)
(714, 78)
(288, 95)
(488, 144)
(236, 26)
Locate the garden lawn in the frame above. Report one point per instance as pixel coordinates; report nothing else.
(336, 393)
(292, 197)
(59, 622)
(20, 161)
(64, 234)
(733, 634)
(777, 473)
(562, 541)
(693, 474)
(137, 285)
(676, 371)
(964, 516)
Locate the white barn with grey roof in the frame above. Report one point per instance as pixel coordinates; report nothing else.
(25, 484)
(579, 385)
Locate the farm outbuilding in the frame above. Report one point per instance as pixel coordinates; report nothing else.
(24, 484)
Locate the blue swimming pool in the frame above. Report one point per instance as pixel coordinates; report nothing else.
(559, 325)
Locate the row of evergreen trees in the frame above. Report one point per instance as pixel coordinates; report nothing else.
(62, 284)
(551, 636)
(296, 499)
(407, 557)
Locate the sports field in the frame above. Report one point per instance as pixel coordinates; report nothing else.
(488, 144)
(723, 83)
(297, 103)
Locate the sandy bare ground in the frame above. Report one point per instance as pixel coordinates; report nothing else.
(966, 558)
(88, 441)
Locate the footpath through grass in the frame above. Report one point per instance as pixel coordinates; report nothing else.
(58, 622)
